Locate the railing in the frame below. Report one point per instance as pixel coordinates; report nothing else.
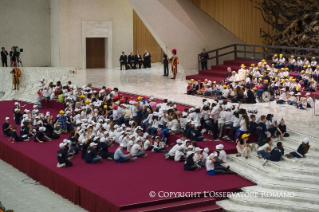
(251, 52)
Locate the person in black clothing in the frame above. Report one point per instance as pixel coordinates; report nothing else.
(50, 129)
(74, 138)
(263, 88)
(189, 163)
(147, 59)
(301, 151)
(250, 96)
(62, 157)
(228, 74)
(6, 127)
(26, 130)
(104, 150)
(239, 94)
(12, 55)
(165, 61)
(91, 155)
(4, 59)
(281, 129)
(252, 124)
(14, 136)
(203, 57)
(131, 61)
(123, 61)
(17, 116)
(40, 137)
(276, 153)
(138, 60)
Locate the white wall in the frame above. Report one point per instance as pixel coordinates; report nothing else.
(73, 12)
(26, 23)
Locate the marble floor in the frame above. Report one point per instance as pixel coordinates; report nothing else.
(152, 82)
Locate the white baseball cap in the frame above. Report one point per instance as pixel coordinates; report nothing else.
(7, 118)
(189, 153)
(198, 149)
(305, 140)
(93, 144)
(212, 155)
(61, 145)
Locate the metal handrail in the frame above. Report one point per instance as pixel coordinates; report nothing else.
(266, 51)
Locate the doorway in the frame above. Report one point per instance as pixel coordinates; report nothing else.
(95, 53)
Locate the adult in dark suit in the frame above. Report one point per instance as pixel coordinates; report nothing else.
(12, 56)
(138, 60)
(250, 96)
(4, 55)
(131, 61)
(123, 60)
(204, 56)
(147, 59)
(165, 61)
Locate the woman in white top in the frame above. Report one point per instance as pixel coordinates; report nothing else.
(282, 99)
(271, 124)
(244, 124)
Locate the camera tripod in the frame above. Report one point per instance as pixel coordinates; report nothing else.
(19, 61)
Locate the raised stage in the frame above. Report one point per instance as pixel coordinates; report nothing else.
(113, 187)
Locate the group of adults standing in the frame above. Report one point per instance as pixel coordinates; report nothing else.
(4, 56)
(133, 61)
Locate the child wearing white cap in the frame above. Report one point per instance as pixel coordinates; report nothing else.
(205, 154)
(282, 99)
(301, 151)
(190, 164)
(6, 127)
(198, 157)
(211, 169)
(179, 154)
(222, 154)
(40, 136)
(159, 146)
(62, 156)
(137, 149)
(92, 155)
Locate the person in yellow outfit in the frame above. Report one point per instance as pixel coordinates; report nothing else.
(16, 73)
(174, 61)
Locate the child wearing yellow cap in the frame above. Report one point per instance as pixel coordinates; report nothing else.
(291, 63)
(299, 64)
(62, 121)
(281, 61)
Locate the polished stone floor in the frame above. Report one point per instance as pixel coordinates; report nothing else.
(152, 82)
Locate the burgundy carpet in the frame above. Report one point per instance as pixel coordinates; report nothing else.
(110, 186)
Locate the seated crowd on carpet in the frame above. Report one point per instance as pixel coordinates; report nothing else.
(274, 78)
(99, 119)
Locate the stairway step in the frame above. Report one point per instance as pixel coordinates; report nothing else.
(231, 206)
(176, 204)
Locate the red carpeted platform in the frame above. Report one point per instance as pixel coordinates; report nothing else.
(110, 186)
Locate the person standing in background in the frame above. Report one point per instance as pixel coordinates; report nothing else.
(12, 56)
(174, 61)
(147, 59)
(138, 60)
(165, 65)
(203, 57)
(16, 73)
(123, 61)
(4, 55)
(131, 61)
